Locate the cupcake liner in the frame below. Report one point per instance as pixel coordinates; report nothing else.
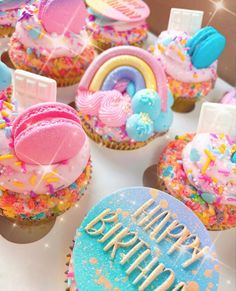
(101, 46)
(114, 145)
(6, 31)
(69, 272)
(53, 205)
(66, 71)
(184, 105)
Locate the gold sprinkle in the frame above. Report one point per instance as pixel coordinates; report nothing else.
(33, 180)
(209, 154)
(205, 167)
(18, 184)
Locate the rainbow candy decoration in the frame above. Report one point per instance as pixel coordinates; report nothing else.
(143, 79)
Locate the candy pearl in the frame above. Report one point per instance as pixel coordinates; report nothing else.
(208, 197)
(233, 158)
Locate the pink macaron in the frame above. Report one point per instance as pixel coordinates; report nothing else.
(47, 133)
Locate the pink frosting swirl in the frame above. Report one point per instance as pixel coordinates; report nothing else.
(115, 109)
(208, 163)
(89, 103)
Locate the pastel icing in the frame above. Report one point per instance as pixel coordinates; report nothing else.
(137, 231)
(205, 47)
(138, 84)
(209, 164)
(163, 122)
(172, 50)
(115, 109)
(229, 97)
(5, 77)
(147, 101)
(139, 127)
(11, 4)
(59, 17)
(31, 32)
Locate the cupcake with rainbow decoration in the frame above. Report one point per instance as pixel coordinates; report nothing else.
(190, 63)
(41, 180)
(50, 40)
(123, 99)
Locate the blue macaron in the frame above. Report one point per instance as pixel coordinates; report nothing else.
(205, 47)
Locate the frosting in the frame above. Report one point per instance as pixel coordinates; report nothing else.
(5, 77)
(140, 238)
(209, 164)
(32, 34)
(230, 97)
(172, 51)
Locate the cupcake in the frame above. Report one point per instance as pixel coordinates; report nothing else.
(190, 63)
(45, 163)
(115, 23)
(229, 97)
(47, 41)
(200, 170)
(8, 15)
(142, 239)
(123, 99)
(5, 83)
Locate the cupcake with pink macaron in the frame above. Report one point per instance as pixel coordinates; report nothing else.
(45, 163)
(50, 40)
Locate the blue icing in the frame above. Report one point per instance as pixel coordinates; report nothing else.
(170, 100)
(164, 121)
(147, 101)
(194, 155)
(139, 127)
(5, 76)
(205, 47)
(131, 89)
(128, 201)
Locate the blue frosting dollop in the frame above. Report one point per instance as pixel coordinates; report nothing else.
(139, 127)
(147, 101)
(5, 76)
(164, 121)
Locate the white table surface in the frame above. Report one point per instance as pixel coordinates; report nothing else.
(40, 265)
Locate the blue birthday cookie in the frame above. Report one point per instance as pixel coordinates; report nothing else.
(142, 239)
(205, 47)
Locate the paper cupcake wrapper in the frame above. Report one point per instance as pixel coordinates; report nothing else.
(6, 31)
(184, 105)
(216, 227)
(114, 145)
(82, 190)
(101, 46)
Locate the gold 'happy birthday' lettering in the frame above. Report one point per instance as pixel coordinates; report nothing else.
(153, 221)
